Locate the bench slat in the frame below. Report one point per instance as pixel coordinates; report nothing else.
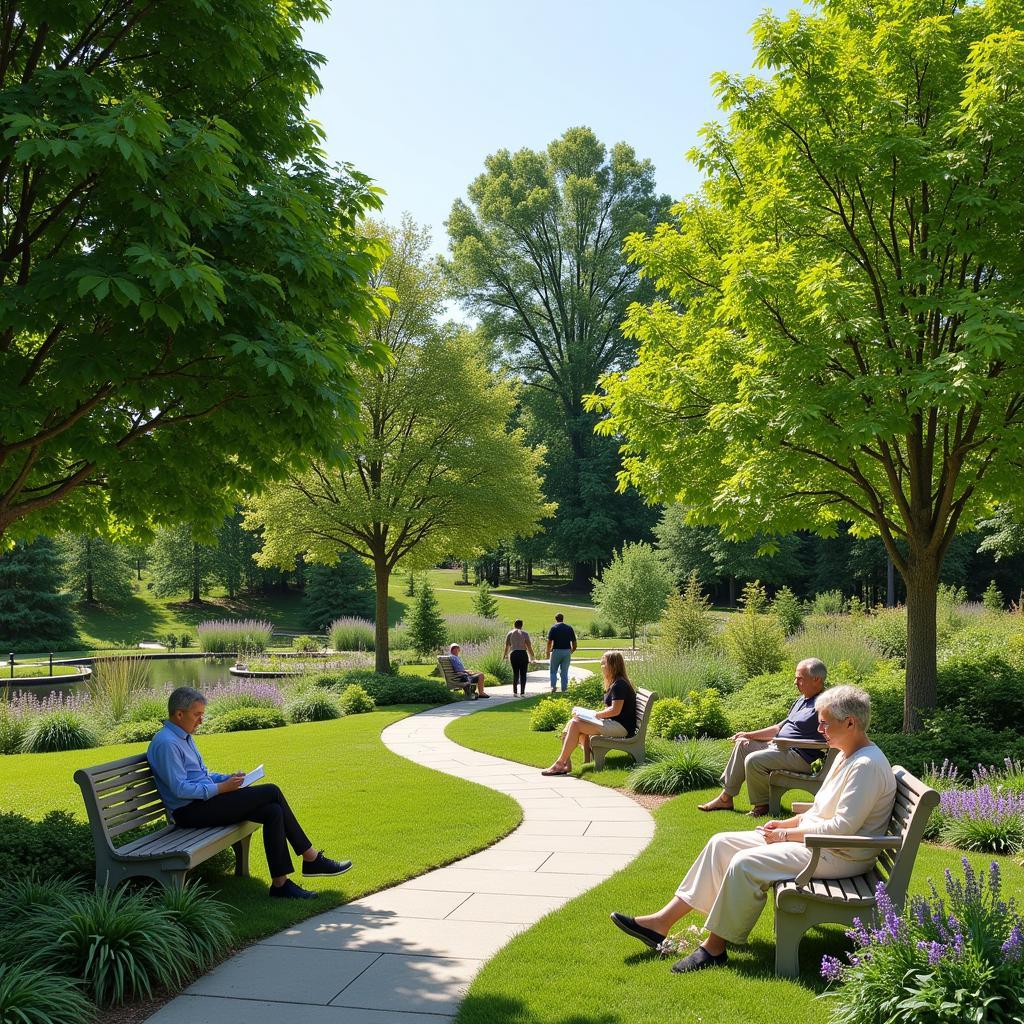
(126, 799)
(138, 813)
(115, 782)
(137, 822)
(176, 840)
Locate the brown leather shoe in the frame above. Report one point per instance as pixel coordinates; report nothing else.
(758, 811)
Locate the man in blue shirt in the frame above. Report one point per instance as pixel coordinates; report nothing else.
(561, 644)
(754, 755)
(462, 673)
(197, 798)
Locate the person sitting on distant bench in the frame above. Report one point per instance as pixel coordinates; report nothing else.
(464, 675)
(197, 798)
(755, 756)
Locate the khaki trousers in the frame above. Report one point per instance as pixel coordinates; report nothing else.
(751, 761)
(729, 880)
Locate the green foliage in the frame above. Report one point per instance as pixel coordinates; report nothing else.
(241, 719)
(885, 686)
(489, 659)
(676, 676)
(116, 685)
(388, 689)
(995, 834)
(182, 302)
(836, 640)
(886, 631)
(587, 692)
(345, 589)
(306, 644)
(58, 730)
(761, 701)
(984, 686)
(12, 728)
(787, 609)
(754, 639)
(550, 714)
(992, 598)
(95, 570)
(634, 588)
(686, 622)
(829, 602)
(33, 615)
(249, 636)
(351, 634)
(58, 844)
(180, 564)
(474, 629)
(148, 707)
(678, 767)
(203, 923)
(312, 705)
(484, 604)
(700, 714)
(601, 628)
(426, 627)
(134, 731)
(35, 995)
(354, 700)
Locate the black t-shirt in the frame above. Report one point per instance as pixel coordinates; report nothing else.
(562, 636)
(621, 690)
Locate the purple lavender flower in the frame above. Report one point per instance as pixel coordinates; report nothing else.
(1012, 947)
(831, 968)
(261, 691)
(981, 802)
(935, 950)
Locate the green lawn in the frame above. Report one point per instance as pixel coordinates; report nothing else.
(574, 967)
(392, 818)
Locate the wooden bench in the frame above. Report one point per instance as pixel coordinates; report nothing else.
(781, 781)
(121, 796)
(451, 680)
(808, 901)
(634, 745)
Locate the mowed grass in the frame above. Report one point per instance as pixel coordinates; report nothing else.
(354, 798)
(575, 967)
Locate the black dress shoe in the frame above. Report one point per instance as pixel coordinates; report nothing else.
(698, 960)
(647, 936)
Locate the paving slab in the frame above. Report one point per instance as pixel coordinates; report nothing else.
(512, 909)
(411, 983)
(402, 902)
(188, 1009)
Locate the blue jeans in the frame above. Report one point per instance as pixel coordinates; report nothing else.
(560, 661)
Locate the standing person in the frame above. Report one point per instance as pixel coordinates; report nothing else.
(617, 719)
(198, 798)
(561, 644)
(519, 651)
(462, 673)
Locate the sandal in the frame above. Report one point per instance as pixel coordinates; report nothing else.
(555, 770)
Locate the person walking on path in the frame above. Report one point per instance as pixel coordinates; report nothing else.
(198, 798)
(519, 651)
(754, 755)
(561, 644)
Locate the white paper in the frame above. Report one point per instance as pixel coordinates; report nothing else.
(253, 776)
(587, 715)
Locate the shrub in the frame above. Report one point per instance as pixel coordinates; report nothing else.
(788, 611)
(831, 602)
(986, 688)
(886, 631)
(203, 923)
(242, 693)
(676, 675)
(223, 636)
(134, 732)
(351, 633)
(602, 628)
(24, 894)
(387, 689)
(587, 692)
(169, 640)
(686, 622)
(992, 599)
(469, 630)
(678, 768)
(35, 995)
(427, 630)
(550, 714)
(312, 705)
(955, 957)
(306, 644)
(982, 819)
(488, 658)
(147, 707)
(185, 641)
(763, 700)
(700, 714)
(245, 718)
(12, 728)
(754, 640)
(116, 684)
(354, 700)
(57, 845)
(886, 687)
(58, 730)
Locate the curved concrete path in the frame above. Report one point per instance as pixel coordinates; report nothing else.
(406, 955)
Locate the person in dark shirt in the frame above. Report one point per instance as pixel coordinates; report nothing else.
(561, 644)
(617, 718)
(755, 755)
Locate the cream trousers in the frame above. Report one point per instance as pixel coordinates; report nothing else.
(730, 879)
(753, 760)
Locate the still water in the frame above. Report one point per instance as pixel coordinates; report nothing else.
(164, 674)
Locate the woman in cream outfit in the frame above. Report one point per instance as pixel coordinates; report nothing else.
(729, 880)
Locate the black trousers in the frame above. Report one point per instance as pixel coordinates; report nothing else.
(520, 661)
(263, 804)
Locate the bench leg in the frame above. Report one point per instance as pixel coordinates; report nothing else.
(789, 930)
(774, 800)
(598, 753)
(639, 754)
(241, 849)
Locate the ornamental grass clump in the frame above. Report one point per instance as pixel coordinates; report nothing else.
(35, 995)
(115, 685)
(475, 629)
(957, 957)
(678, 768)
(351, 633)
(58, 730)
(983, 819)
(224, 636)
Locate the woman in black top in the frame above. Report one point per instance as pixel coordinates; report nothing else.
(616, 719)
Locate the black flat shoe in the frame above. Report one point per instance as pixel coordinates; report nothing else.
(647, 936)
(698, 960)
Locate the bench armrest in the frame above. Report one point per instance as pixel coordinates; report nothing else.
(816, 843)
(801, 806)
(800, 744)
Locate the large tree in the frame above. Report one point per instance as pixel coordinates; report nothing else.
(839, 333)
(34, 616)
(180, 563)
(94, 569)
(439, 467)
(537, 256)
(181, 281)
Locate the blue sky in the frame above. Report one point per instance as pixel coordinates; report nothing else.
(416, 94)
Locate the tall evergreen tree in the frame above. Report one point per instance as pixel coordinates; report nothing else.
(345, 588)
(427, 628)
(33, 614)
(181, 564)
(95, 570)
(483, 601)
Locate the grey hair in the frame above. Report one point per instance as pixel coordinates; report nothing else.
(182, 699)
(815, 667)
(846, 702)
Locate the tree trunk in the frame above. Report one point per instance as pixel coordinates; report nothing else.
(922, 581)
(732, 591)
(890, 583)
(89, 599)
(196, 595)
(529, 570)
(382, 654)
(581, 575)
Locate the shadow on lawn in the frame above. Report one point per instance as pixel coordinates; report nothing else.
(502, 1010)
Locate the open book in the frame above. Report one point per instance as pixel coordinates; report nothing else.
(254, 776)
(586, 715)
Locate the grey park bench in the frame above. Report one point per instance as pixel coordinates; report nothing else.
(807, 901)
(451, 679)
(781, 781)
(634, 745)
(121, 796)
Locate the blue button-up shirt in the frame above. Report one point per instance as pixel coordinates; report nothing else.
(181, 776)
(457, 667)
